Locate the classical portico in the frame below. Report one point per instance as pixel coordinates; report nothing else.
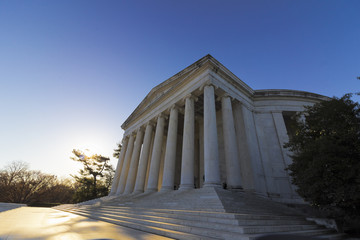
(202, 157)
(204, 127)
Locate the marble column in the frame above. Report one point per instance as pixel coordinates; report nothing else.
(152, 185)
(130, 182)
(233, 176)
(170, 152)
(283, 138)
(211, 151)
(244, 143)
(282, 135)
(125, 167)
(119, 166)
(187, 161)
(143, 163)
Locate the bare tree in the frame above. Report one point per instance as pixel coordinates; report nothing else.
(19, 184)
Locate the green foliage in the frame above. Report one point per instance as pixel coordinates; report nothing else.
(326, 156)
(94, 179)
(117, 151)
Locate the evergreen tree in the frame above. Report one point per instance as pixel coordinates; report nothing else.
(117, 151)
(326, 156)
(95, 178)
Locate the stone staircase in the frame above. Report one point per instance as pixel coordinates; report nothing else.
(205, 213)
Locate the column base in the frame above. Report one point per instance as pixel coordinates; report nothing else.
(213, 185)
(127, 192)
(235, 187)
(118, 194)
(186, 186)
(151, 190)
(137, 192)
(166, 189)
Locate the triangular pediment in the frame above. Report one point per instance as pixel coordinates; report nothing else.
(207, 63)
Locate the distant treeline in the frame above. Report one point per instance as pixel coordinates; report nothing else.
(19, 184)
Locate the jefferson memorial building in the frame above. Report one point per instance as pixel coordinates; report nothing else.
(204, 127)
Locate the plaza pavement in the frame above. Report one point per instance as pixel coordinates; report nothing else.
(51, 224)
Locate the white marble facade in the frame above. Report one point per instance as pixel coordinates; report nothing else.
(204, 127)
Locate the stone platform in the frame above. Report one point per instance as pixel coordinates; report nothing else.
(206, 213)
(51, 224)
(9, 206)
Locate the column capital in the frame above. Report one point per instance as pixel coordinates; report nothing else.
(125, 138)
(140, 129)
(174, 106)
(225, 95)
(131, 134)
(151, 123)
(208, 83)
(163, 115)
(191, 96)
(160, 115)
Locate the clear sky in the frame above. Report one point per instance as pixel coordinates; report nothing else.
(71, 72)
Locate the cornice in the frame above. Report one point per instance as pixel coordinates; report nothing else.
(268, 94)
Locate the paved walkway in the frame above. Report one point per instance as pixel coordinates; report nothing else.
(51, 224)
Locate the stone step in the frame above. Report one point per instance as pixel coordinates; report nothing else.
(207, 207)
(167, 232)
(334, 236)
(318, 234)
(117, 214)
(165, 229)
(238, 200)
(225, 218)
(211, 231)
(185, 215)
(209, 213)
(215, 223)
(181, 222)
(202, 213)
(217, 226)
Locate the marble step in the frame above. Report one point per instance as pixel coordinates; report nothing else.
(323, 234)
(211, 233)
(167, 232)
(199, 214)
(133, 218)
(210, 213)
(216, 223)
(214, 226)
(203, 214)
(165, 229)
(213, 216)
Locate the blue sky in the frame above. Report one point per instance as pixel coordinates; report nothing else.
(72, 71)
